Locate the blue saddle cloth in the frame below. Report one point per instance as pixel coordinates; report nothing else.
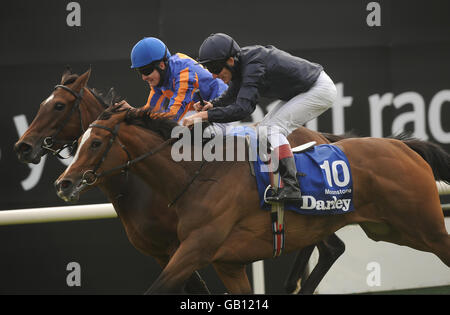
(327, 187)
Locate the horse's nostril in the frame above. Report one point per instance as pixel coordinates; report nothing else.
(24, 148)
(63, 185)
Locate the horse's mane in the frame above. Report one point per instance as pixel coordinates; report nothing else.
(141, 118)
(335, 138)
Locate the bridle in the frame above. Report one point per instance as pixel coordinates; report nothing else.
(90, 176)
(50, 141)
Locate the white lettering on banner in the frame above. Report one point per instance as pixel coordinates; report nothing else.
(338, 109)
(434, 116)
(417, 116)
(74, 17)
(376, 104)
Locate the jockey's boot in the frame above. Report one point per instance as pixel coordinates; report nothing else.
(291, 188)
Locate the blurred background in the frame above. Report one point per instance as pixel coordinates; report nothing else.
(392, 76)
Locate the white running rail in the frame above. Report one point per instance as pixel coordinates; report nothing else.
(57, 214)
(96, 211)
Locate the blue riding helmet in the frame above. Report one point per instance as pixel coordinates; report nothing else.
(148, 50)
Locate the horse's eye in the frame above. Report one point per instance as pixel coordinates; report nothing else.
(96, 144)
(59, 106)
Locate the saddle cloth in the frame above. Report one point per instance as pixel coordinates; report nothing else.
(327, 184)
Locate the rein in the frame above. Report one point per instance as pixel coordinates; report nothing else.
(90, 176)
(51, 140)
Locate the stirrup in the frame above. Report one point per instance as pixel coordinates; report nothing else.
(269, 187)
(281, 200)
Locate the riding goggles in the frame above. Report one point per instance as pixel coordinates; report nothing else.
(146, 70)
(216, 66)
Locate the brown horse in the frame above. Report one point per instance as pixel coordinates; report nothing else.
(219, 219)
(63, 117)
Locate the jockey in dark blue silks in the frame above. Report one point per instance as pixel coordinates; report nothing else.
(172, 79)
(304, 89)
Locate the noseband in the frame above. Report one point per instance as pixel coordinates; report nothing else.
(51, 140)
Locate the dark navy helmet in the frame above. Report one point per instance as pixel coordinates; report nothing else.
(216, 47)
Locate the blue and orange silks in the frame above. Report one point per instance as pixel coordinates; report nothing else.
(176, 96)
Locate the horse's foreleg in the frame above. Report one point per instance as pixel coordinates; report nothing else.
(234, 277)
(194, 253)
(329, 251)
(194, 285)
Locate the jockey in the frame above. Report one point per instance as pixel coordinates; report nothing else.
(172, 79)
(304, 89)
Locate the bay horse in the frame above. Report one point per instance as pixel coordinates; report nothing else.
(61, 119)
(64, 116)
(219, 216)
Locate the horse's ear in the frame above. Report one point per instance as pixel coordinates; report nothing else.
(66, 73)
(81, 82)
(112, 97)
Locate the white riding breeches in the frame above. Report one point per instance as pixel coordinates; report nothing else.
(285, 117)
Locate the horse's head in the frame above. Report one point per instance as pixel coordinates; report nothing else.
(59, 120)
(99, 150)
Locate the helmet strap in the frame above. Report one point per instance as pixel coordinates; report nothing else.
(232, 69)
(162, 73)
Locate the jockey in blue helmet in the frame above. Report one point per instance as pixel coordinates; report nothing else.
(172, 79)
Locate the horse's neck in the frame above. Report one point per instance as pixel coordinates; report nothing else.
(159, 171)
(128, 194)
(114, 188)
(91, 108)
(164, 175)
(149, 223)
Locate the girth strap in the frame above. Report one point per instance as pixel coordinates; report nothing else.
(277, 217)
